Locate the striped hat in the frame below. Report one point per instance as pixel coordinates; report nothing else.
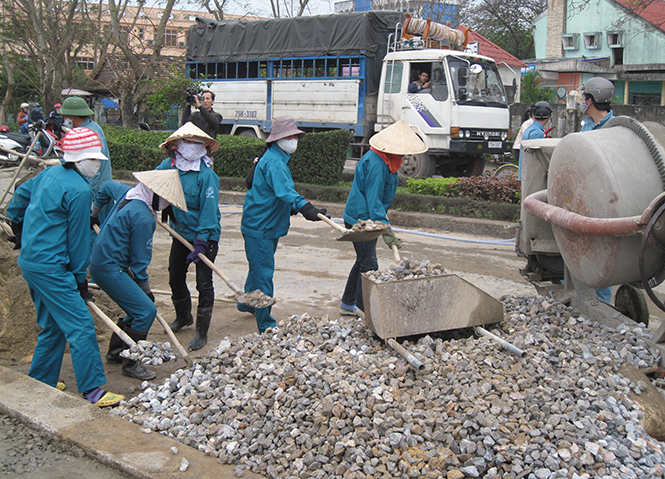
(82, 144)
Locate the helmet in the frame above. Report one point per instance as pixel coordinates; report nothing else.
(24, 105)
(57, 105)
(600, 89)
(4, 128)
(542, 110)
(76, 106)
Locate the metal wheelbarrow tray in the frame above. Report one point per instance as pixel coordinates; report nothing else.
(425, 305)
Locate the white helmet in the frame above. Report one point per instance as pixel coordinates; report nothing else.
(24, 105)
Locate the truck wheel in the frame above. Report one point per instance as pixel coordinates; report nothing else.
(248, 133)
(475, 167)
(417, 166)
(631, 302)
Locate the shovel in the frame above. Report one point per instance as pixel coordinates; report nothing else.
(256, 299)
(20, 166)
(355, 235)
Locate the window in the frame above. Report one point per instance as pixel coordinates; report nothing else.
(170, 37)
(617, 56)
(182, 44)
(644, 99)
(141, 33)
(393, 83)
(570, 41)
(592, 40)
(615, 39)
(438, 81)
(87, 63)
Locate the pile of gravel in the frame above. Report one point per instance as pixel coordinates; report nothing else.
(150, 352)
(408, 268)
(325, 398)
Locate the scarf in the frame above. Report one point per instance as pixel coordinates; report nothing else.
(142, 193)
(188, 156)
(393, 161)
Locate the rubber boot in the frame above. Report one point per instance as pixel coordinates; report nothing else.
(183, 314)
(116, 346)
(135, 369)
(202, 325)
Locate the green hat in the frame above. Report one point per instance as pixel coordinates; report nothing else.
(76, 106)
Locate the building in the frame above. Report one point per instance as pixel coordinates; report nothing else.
(442, 12)
(621, 40)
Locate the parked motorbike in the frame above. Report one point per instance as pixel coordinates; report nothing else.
(48, 146)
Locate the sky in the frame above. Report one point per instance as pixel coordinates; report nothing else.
(262, 7)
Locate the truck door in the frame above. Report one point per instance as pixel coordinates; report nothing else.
(428, 107)
(390, 101)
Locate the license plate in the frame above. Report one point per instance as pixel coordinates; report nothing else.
(494, 144)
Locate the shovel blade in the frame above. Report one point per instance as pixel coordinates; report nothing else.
(360, 236)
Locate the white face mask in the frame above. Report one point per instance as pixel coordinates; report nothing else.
(191, 151)
(289, 146)
(89, 168)
(584, 106)
(69, 123)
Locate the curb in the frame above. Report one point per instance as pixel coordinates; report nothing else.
(104, 437)
(410, 219)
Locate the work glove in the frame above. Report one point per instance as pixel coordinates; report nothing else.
(83, 291)
(146, 289)
(390, 239)
(200, 246)
(167, 214)
(309, 211)
(94, 221)
(17, 229)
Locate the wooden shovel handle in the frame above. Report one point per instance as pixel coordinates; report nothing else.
(20, 166)
(174, 340)
(114, 327)
(396, 253)
(203, 258)
(332, 223)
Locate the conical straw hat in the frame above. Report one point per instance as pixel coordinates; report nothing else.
(190, 130)
(398, 139)
(164, 183)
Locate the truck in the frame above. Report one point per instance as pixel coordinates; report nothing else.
(353, 71)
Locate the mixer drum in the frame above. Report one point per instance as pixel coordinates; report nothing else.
(606, 173)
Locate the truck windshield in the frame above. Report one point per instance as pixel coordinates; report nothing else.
(476, 82)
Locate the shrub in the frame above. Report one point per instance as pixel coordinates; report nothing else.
(433, 186)
(490, 188)
(319, 159)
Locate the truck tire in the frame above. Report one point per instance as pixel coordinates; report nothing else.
(475, 167)
(248, 133)
(417, 166)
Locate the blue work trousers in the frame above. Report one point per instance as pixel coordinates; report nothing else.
(64, 318)
(365, 261)
(260, 254)
(122, 289)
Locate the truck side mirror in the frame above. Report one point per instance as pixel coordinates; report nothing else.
(461, 76)
(461, 94)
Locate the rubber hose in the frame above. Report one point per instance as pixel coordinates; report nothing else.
(658, 155)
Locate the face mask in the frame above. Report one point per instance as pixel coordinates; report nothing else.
(89, 168)
(584, 106)
(289, 146)
(191, 151)
(69, 123)
(36, 108)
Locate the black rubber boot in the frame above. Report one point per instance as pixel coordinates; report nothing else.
(135, 369)
(116, 346)
(202, 325)
(183, 314)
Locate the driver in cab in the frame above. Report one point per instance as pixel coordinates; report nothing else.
(420, 84)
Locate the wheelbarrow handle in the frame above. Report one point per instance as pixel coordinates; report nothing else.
(176, 343)
(332, 223)
(236, 289)
(114, 327)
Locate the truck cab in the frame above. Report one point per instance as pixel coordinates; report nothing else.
(462, 115)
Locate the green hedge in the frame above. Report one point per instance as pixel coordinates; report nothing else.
(319, 159)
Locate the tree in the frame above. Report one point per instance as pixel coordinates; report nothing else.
(531, 91)
(505, 22)
(171, 91)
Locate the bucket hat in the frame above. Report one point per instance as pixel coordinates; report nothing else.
(164, 183)
(76, 106)
(398, 139)
(82, 144)
(190, 130)
(283, 127)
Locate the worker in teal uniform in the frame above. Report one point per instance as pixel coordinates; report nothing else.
(597, 94)
(372, 192)
(541, 114)
(50, 217)
(266, 214)
(189, 148)
(121, 255)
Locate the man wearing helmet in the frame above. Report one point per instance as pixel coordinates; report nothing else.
(597, 94)
(542, 111)
(22, 118)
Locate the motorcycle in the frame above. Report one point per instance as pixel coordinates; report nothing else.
(48, 146)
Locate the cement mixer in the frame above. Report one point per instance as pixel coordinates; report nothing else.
(592, 217)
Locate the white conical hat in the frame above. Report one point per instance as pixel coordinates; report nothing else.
(398, 139)
(164, 183)
(190, 130)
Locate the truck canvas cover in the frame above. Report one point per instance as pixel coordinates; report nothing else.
(360, 33)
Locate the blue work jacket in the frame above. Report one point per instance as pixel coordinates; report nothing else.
(268, 203)
(201, 188)
(126, 239)
(104, 174)
(589, 125)
(54, 207)
(373, 190)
